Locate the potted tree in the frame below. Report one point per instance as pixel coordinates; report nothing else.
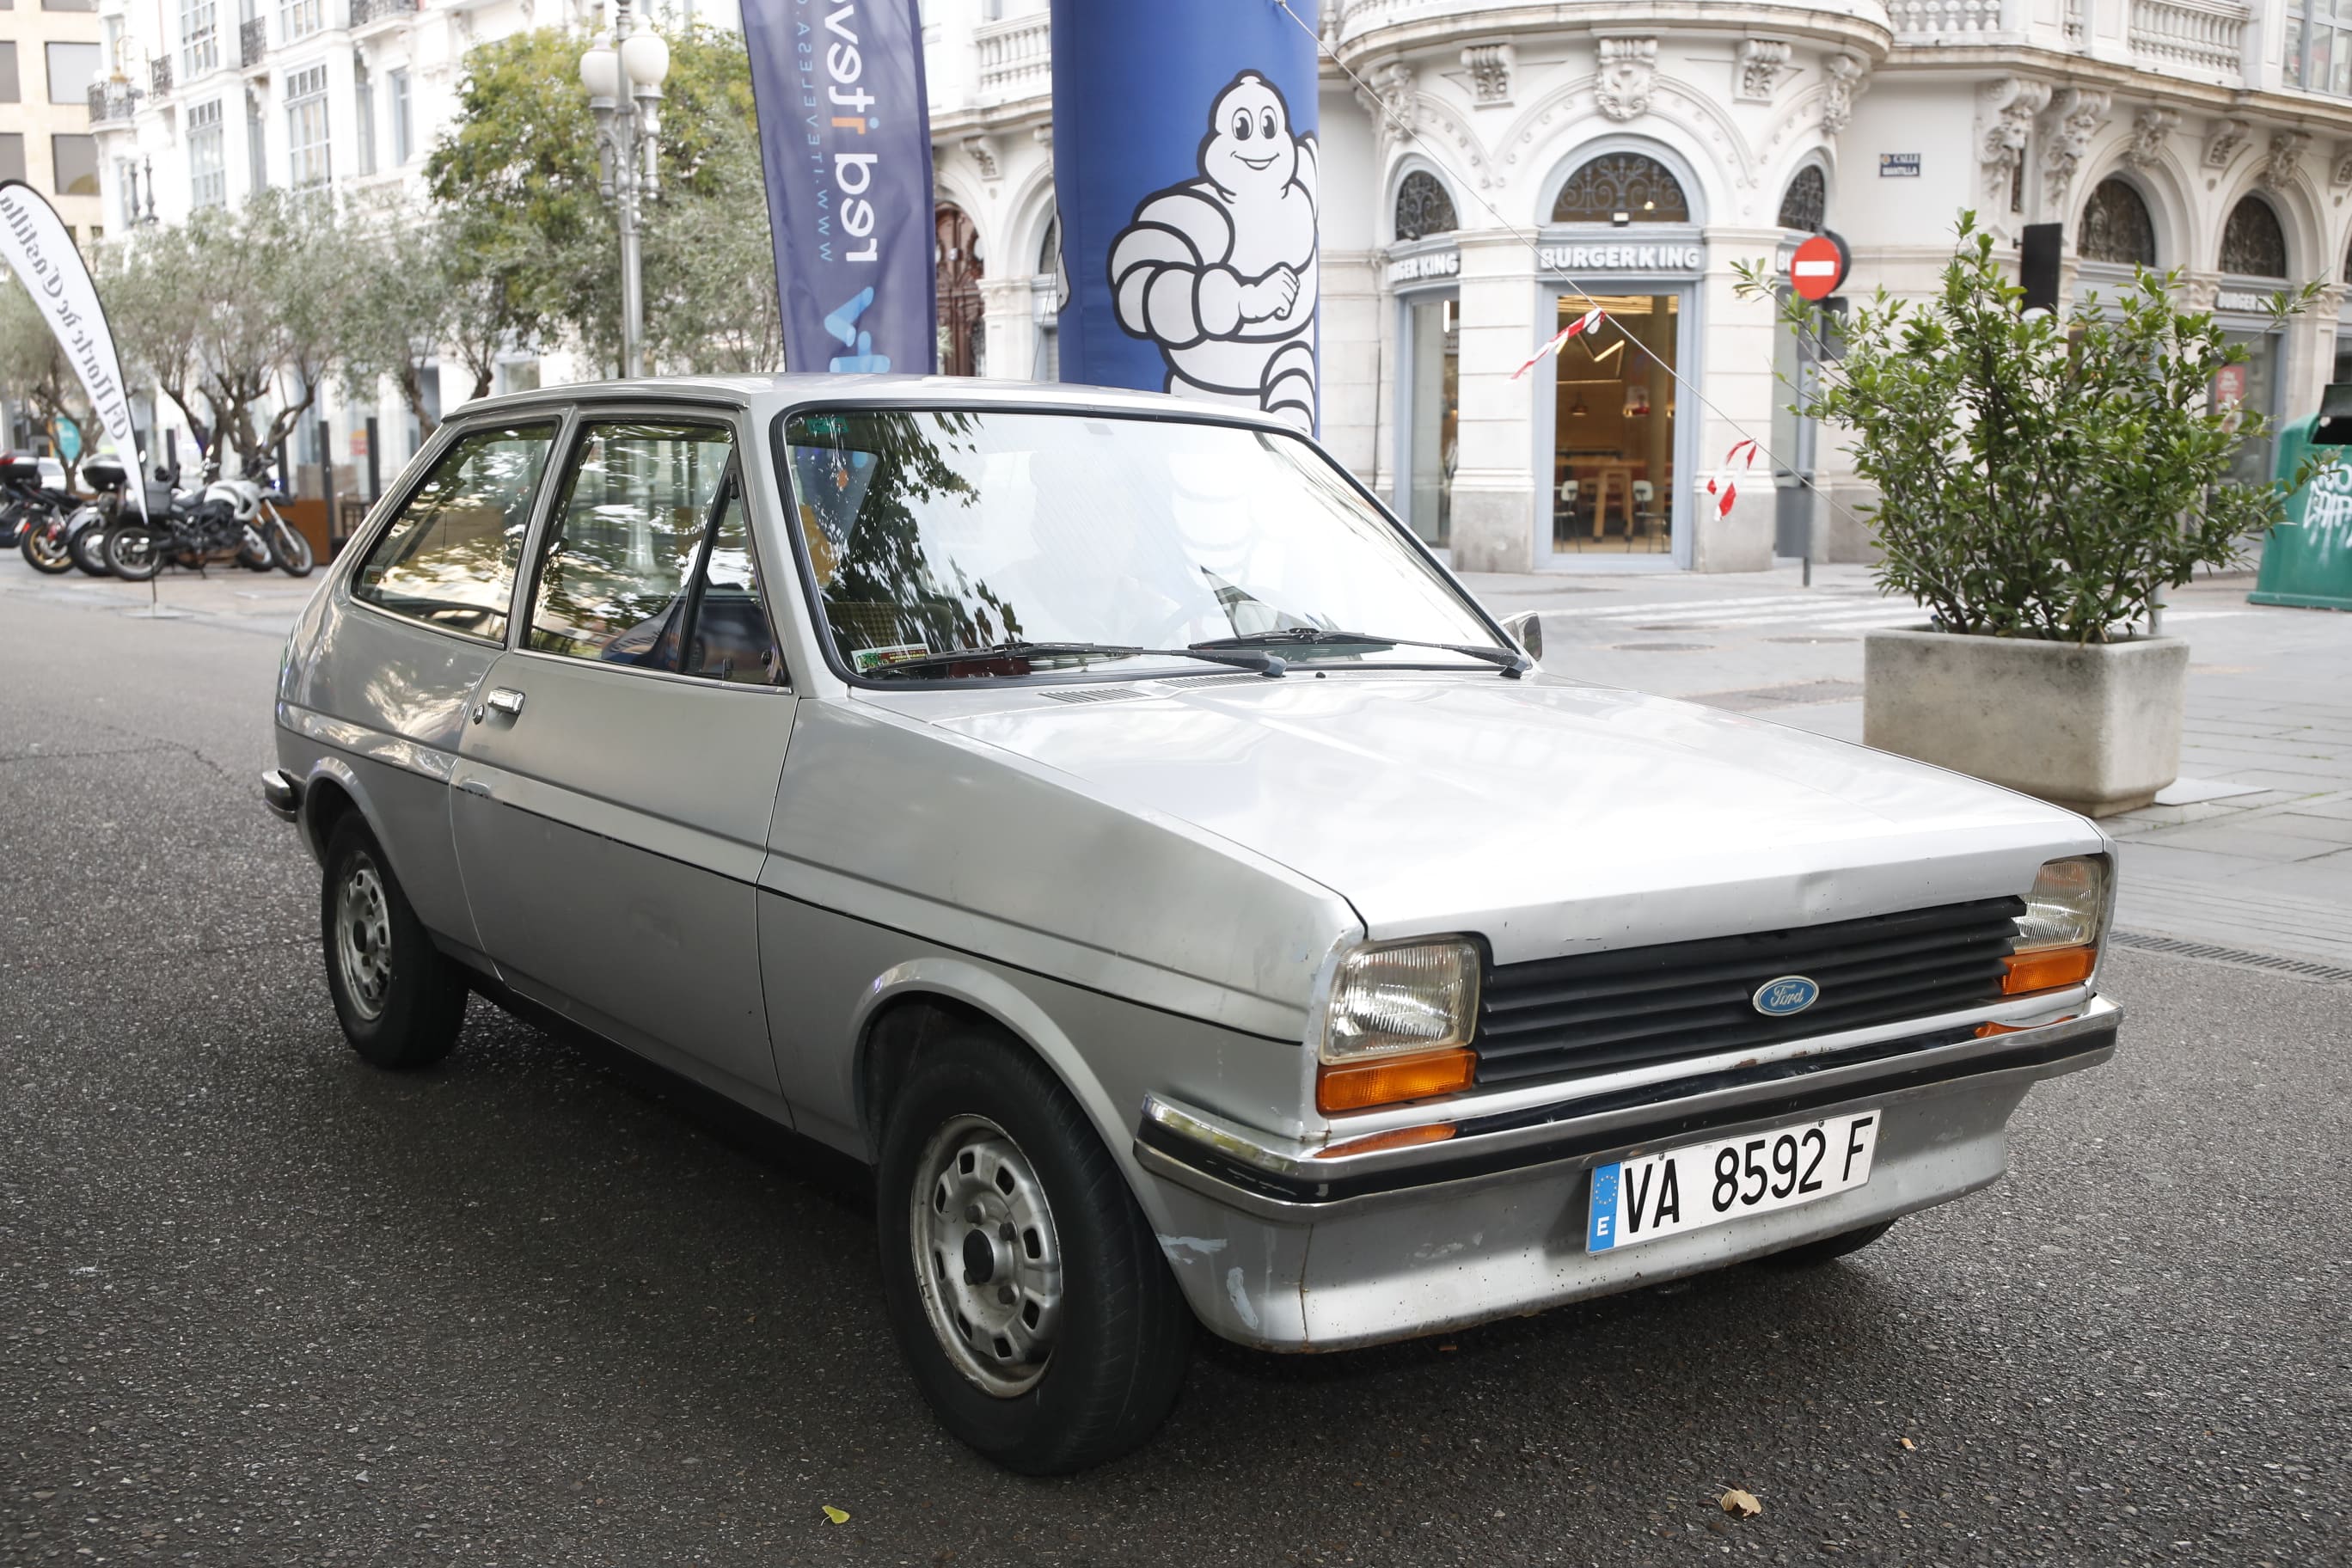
(2042, 479)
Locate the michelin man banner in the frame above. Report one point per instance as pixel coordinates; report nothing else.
(1185, 169)
(34, 239)
(845, 137)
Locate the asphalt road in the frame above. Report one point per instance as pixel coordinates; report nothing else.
(261, 1304)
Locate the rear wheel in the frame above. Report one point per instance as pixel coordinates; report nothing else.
(400, 1001)
(134, 553)
(1025, 1288)
(1830, 1247)
(43, 545)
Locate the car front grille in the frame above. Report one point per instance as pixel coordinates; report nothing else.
(1600, 1011)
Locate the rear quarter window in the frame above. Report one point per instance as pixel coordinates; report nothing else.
(449, 558)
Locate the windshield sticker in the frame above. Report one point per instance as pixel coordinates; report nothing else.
(867, 659)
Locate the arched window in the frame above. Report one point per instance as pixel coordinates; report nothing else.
(2117, 228)
(1621, 187)
(1807, 200)
(1424, 207)
(1049, 254)
(2253, 244)
(959, 264)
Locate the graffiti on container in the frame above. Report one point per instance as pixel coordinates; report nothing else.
(2327, 513)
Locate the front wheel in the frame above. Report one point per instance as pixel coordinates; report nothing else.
(253, 552)
(88, 548)
(43, 546)
(1025, 1285)
(292, 551)
(132, 551)
(400, 1001)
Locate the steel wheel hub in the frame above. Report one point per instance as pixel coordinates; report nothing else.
(363, 938)
(986, 1256)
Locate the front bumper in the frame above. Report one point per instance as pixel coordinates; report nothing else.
(1294, 1249)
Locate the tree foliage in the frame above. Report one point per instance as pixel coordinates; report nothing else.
(2042, 475)
(515, 179)
(35, 370)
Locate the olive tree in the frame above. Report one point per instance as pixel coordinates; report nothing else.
(34, 370)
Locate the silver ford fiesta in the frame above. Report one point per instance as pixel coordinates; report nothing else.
(1098, 815)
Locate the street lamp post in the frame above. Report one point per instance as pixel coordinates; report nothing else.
(628, 145)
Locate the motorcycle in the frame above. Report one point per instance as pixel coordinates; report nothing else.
(255, 498)
(230, 520)
(30, 511)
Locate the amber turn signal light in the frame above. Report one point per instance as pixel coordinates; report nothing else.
(1394, 1138)
(1385, 1083)
(2048, 970)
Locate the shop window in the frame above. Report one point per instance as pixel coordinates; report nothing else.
(1621, 187)
(1806, 203)
(957, 253)
(1613, 479)
(1434, 331)
(2253, 244)
(1422, 207)
(2117, 228)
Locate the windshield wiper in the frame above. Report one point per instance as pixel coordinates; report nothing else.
(1513, 662)
(1242, 659)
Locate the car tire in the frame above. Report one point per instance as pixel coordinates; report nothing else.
(400, 1000)
(1830, 1247)
(1005, 1156)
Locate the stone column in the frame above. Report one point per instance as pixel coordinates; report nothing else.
(1348, 380)
(1496, 483)
(1733, 368)
(1009, 341)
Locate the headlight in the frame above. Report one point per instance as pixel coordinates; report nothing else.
(1399, 1024)
(2058, 935)
(1399, 997)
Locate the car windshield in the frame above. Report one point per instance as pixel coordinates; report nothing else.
(933, 533)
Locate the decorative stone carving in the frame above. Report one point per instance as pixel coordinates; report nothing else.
(983, 157)
(1629, 69)
(2150, 127)
(2341, 173)
(2075, 117)
(2005, 110)
(1763, 66)
(1044, 135)
(1846, 73)
(1490, 72)
(2227, 140)
(2286, 157)
(1390, 101)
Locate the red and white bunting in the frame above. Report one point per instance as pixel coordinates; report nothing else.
(1584, 324)
(1721, 485)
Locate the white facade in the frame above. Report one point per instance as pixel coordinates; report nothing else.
(1536, 125)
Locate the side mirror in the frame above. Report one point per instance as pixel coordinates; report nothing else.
(1527, 629)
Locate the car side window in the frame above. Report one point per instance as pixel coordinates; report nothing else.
(648, 562)
(449, 559)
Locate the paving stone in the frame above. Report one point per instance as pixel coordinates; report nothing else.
(2311, 825)
(2241, 842)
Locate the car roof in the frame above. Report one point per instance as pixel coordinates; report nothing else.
(765, 394)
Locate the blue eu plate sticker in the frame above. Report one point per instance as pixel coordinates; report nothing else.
(1603, 1233)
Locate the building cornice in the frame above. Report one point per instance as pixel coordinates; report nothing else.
(2064, 70)
(1527, 23)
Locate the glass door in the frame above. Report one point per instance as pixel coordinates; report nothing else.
(1613, 474)
(1432, 335)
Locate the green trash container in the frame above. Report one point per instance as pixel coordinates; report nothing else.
(2307, 560)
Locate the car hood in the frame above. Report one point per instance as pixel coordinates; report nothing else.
(1547, 815)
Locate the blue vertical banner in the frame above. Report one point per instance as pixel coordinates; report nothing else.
(845, 139)
(1186, 173)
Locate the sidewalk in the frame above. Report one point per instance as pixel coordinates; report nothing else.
(2250, 849)
(224, 596)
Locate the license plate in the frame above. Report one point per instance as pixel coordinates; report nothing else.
(1635, 1201)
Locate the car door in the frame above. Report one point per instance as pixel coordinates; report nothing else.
(619, 768)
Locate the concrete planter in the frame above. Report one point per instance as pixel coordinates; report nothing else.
(2095, 728)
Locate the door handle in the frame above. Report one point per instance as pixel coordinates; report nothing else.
(504, 700)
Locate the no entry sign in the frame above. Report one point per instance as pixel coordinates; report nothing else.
(1817, 266)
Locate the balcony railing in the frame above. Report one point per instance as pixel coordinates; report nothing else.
(112, 100)
(2207, 37)
(252, 42)
(366, 11)
(1944, 18)
(1016, 58)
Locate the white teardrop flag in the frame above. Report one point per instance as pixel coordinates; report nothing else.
(34, 239)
